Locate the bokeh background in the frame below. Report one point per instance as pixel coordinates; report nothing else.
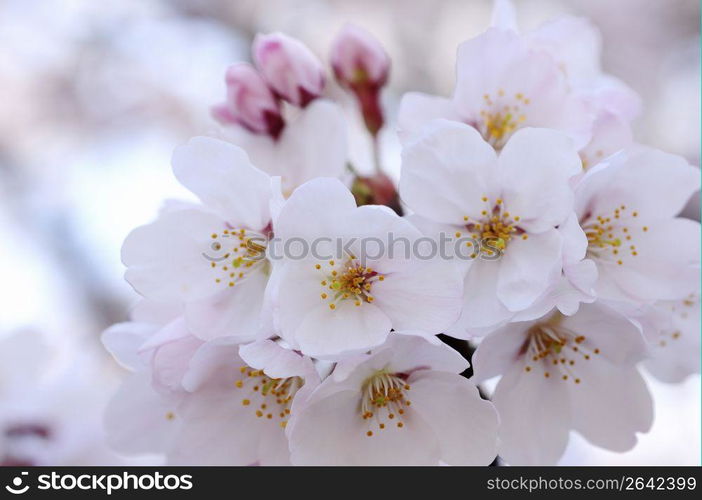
(94, 96)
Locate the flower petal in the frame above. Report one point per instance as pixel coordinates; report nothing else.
(444, 173)
(222, 176)
(534, 167)
(465, 425)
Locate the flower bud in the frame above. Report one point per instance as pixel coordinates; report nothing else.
(290, 68)
(358, 59)
(377, 189)
(250, 103)
(361, 65)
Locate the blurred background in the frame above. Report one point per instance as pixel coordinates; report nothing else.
(94, 96)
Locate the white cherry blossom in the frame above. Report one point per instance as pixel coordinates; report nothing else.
(402, 404)
(563, 373)
(212, 256)
(514, 201)
(342, 297)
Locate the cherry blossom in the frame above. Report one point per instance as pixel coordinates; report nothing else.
(402, 404)
(502, 85)
(341, 297)
(627, 207)
(212, 256)
(563, 373)
(514, 201)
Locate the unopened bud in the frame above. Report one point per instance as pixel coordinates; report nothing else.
(377, 189)
(250, 103)
(361, 65)
(290, 68)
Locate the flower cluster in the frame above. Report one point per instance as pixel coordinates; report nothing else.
(568, 268)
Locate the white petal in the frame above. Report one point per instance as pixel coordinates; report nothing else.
(274, 360)
(314, 209)
(313, 145)
(410, 354)
(331, 431)
(535, 417)
(611, 405)
(219, 430)
(330, 334)
(214, 360)
(140, 420)
(233, 311)
(123, 340)
(222, 176)
(666, 265)
(166, 259)
(617, 338)
(655, 184)
(465, 424)
(498, 351)
(528, 268)
(417, 109)
(427, 297)
(535, 166)
(444, 173)
(171, 362)
(481, 307)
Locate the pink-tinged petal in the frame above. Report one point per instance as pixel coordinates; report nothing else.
(123, 341)
(166, 259)
(498, 351)
(446, 172)
(222, 176)
(654, 184)
(503, 85)
(574, 43)
(611, 405)
(465, 425)
(576, 286)
(234, 311)
(171, 361)
(610, 134)
(330, 431)
(528, 268)
(675, 347)
(140, 420)
(535, 166)
(275, 360)
(219, 430)
(535, 417)
(665, 265)
(417, 110)
(412, 353)
(212, 363)
(615, 337)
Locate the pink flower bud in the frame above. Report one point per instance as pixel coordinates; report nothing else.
(250, 103)
(359, 59)
(361, 65)
(290, 68)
